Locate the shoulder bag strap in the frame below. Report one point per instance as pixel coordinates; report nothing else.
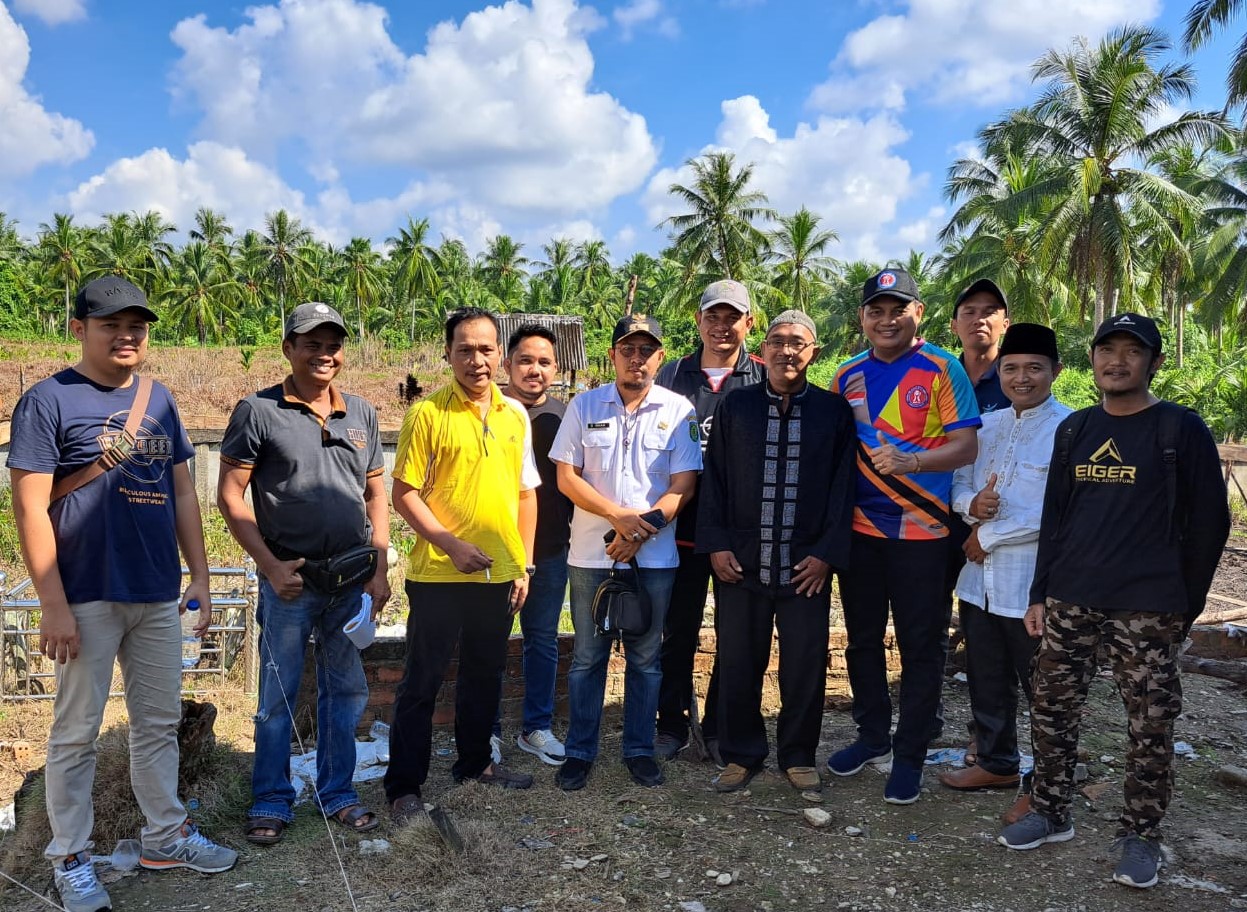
(117, 453)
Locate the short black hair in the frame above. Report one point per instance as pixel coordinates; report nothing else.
(463, 315)
(527, 331)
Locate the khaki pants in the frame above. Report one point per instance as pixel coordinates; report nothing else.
(145, 639)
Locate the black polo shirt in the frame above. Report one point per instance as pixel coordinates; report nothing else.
(307, 475)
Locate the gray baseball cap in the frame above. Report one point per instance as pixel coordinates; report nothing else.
(307, 317)
(726, 291)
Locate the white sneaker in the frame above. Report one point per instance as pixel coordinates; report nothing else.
(80, 889)
(544, 745)
(495, 748)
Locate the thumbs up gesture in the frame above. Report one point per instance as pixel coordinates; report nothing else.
(986, 503)
(888, 460)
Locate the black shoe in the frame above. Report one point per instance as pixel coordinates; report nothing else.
(644, 771)
(573, 774)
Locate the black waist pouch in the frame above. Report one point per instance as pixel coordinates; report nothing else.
(620, 606)
(333, 574)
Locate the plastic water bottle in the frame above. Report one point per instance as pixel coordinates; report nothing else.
(191, 644)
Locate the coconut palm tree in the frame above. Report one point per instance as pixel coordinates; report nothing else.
(202, 295)
(116, 248)
(797, 257)
(1200, 21)
(501, 269)
(60, 251)
(362, 275)
(212, 228)
(415, 276)
(283, 235)
(1095, 120)
(717, 235)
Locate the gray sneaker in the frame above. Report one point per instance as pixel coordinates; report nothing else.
(1140, 861)
(80, 889)
(1034, 830)
(667, 745)
(191, 850)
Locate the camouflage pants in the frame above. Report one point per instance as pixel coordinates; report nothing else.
(1142, 648)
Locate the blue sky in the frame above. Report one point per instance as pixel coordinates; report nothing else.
(538, 119)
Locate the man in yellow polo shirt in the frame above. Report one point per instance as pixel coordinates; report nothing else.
(464, 480)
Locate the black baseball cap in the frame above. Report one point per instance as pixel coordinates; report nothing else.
(890, 283)
(111, 294)
(1142, 328)
(636, 323)
(306, 317)
(982, 286)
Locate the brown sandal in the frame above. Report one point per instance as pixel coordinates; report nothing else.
(972, 752)
(254, 824)
(406, 809)
(350, 817)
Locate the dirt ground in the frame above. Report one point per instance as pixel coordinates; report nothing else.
(655, 849)
(616, 845)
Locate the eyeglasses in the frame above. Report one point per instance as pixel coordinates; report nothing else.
(631, 351)
(788, 345)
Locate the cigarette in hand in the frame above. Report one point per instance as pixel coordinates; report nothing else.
(487, 576)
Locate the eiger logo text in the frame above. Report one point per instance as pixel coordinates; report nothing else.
(1107, 451)
(1123, 320)
(1100, 468)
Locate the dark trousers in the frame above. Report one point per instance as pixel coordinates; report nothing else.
(999, 652)
(679, 648)
(958, 532)
(473, 617)
(746, 621)
(906, 576)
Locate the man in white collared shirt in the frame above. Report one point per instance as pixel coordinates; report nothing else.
(628, 455)
(1001, 497)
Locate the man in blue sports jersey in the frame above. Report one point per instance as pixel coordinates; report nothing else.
(916, 419)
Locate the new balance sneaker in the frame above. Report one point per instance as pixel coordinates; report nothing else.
(1034, 830)
(495, 748)
(853, 759)
(543, 744)
(1140, 861)
(191, 850)
(80, 889)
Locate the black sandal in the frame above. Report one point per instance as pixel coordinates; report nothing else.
(255, 824)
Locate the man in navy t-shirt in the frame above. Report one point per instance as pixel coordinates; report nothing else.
(103, 556)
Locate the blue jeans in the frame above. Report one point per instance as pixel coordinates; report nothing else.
(586, 682)
(342, 694)
(539, 624)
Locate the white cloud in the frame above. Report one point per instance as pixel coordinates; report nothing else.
(498, 105)
(958, 51)
(32, 135)
(920, 233)
(631, 16)
(53, 12)
(211, 174)
(845, 169)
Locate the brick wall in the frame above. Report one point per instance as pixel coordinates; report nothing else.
(383, 665)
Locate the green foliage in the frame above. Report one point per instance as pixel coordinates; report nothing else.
(10, 547)
(1076, 388)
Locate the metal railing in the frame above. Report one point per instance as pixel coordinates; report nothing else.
(26, 674)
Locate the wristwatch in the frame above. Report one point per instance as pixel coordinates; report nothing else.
(530, 569)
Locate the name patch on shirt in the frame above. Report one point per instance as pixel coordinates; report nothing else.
(599, 425)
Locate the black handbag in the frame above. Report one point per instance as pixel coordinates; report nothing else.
(333, 574)
(621, 607)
